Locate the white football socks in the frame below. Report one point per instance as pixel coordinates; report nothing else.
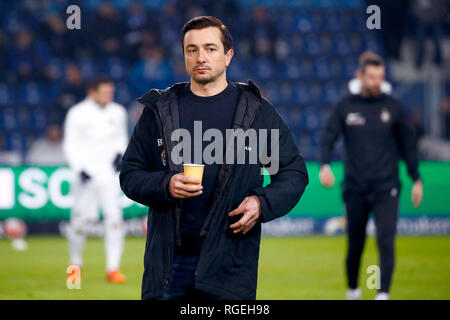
(382, 296)
(114, 241)
(354, 294)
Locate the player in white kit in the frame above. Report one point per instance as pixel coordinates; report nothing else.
(95, 138)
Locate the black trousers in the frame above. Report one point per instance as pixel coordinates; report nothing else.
(358, 208)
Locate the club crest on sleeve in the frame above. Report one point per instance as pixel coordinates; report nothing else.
(164, 158)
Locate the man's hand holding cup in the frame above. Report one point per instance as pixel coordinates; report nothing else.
(187, 184)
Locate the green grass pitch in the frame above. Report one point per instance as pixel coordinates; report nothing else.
(289, 268)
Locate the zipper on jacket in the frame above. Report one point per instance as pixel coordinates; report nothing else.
(169, 269)
(202, 230)
(204, 224)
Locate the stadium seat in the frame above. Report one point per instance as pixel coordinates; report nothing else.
(123, 95)
(113, 67)
(6, 94)
(9, 119)
(30, 94)
(263, 68)
(38, 120)
(15, 141)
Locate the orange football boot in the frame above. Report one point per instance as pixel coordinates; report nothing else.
(115, 276)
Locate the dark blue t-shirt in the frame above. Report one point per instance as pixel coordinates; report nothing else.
(214, 112)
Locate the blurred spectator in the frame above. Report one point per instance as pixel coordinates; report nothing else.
(108, 21)
(137, 18)
(393, 17)
(3, 58)
(226, 10)
(147, 38)
(55, 34)
(109, 28)
(262, 33)
(2, 141)
(229, 12)
(29, 58)
(430, 16)
(195, 11)
(140, 29)
(63, 42)
(152, 71)
(192, 8)
(416, 122)
(47, 150)
(171, 12)
(110, 47)
(446, 117)
(73, 91)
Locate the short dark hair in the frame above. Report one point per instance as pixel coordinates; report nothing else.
(202, 22)
(97, 81)
(369, 58)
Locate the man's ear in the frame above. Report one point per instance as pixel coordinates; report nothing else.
(229, 56)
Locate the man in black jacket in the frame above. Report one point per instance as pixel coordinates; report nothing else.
(376, 135)
(203, 240)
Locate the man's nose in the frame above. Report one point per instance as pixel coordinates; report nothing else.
(201, 57)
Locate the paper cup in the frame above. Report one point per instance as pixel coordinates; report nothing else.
(194, 171)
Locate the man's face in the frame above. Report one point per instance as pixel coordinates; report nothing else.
(372, 77)
(204, 55)
(104, 94)
(54, 133)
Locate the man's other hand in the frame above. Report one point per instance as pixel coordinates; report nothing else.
(250, 207)
(417, 193)
(326, 176)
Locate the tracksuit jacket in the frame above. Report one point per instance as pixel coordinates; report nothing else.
(228, 262)
(377, 135)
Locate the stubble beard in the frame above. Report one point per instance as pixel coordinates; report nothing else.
(208, 79)
(370, 92)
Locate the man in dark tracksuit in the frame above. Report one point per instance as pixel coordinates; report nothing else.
(203, 241)
(376, 135)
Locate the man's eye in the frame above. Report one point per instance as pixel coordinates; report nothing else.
(191, 51)
(212, 49)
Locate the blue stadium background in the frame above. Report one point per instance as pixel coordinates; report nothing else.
(301, 53)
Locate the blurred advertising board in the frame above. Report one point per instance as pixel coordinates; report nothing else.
(42, 194)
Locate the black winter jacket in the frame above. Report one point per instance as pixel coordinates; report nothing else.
(228, 262)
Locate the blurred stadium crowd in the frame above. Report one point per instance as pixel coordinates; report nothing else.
(301, 53)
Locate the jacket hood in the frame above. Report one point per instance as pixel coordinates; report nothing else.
(154, 95)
